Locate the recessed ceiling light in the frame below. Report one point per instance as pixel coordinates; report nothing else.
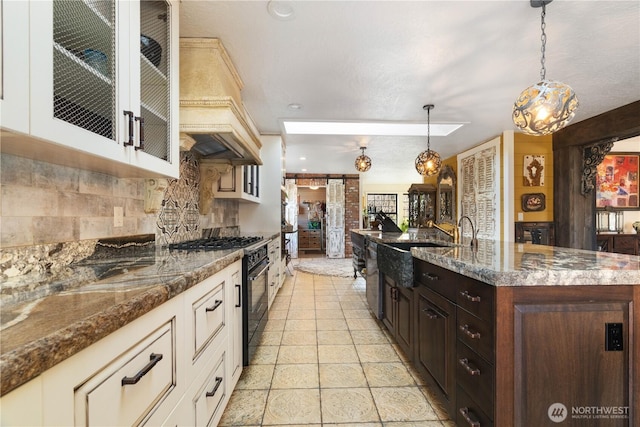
(369, 128)
(281, 9)
(295, 106)
(303, 170)
(303, 158)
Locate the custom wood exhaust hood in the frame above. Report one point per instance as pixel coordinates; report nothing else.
(213, 120)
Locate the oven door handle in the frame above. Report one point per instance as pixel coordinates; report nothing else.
(253, 277)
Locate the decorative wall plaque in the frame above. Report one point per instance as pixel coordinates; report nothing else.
(533, 202)
(533, 173)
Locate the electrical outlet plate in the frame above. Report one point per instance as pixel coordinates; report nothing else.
(118, 216)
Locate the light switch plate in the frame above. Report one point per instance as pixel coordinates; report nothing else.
(118, 216)
(520, 216)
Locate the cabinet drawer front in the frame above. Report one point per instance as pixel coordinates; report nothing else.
(207, 402)
(476, 297)
(129, 388)
(468, 412)
(439, 279)
(477, 334)
(208, 317)
(475, 376)
(625, 242)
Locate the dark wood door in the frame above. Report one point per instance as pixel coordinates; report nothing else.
(404, 321)
(565, 345)
(436, 341)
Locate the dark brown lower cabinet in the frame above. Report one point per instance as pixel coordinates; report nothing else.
(527, 356)
(582, 348)
(436, 335)
(398, 313)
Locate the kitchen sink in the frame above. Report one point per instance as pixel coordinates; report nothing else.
(395, 260)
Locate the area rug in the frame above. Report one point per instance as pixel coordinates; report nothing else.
(340, 267)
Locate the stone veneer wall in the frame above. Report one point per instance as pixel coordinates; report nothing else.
(43, 203)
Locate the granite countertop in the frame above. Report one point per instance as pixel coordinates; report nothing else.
(403, 238)
(516, 264)
(46, 318)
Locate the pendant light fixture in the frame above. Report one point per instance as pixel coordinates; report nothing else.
(548, 105)
(363, 163)
(428, 162)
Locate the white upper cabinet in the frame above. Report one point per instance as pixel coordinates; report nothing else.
(103, 81)
(14, 83)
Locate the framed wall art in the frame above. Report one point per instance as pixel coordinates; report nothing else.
(533, 171)
(617, 181)
(533, 202)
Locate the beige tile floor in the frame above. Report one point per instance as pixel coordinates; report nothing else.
(325, 361)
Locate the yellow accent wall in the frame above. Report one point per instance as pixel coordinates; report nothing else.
(533, 145)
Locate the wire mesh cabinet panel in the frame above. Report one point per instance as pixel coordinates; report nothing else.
(105, 84)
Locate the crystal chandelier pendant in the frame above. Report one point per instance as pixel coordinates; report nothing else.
(363, 163)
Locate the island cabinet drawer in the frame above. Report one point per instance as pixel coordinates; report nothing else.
(475, 297)
(208, 314)
(439, 279)
(477, 334)
(476, 376)
(468, 413)
(127, 390)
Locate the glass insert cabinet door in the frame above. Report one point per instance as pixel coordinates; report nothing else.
(422, 202)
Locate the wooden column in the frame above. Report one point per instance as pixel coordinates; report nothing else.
(574, 202)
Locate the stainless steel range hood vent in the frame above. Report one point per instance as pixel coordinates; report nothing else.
(217, 146)
(212, 117)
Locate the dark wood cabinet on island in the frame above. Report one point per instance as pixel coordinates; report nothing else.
(491, 352)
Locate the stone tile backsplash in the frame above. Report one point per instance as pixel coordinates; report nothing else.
(46, 204)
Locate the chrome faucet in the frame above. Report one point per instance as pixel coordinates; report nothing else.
(474, 240)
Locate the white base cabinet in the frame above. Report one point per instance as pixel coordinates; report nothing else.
(176, 365)
(274, 273)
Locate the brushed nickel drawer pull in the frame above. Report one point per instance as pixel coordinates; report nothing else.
(213, 392)
(470, 369)
(470, 297)
(468, 332)
(215, 305)
(154, 359)
(469, 418)
(430, 313)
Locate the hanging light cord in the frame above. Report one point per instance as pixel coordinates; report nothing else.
(428, 129)
(543, 39)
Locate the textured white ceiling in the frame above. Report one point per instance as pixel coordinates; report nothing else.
(383, 60)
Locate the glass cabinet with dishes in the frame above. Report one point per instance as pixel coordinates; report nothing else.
(422, 205)
(103, 82)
